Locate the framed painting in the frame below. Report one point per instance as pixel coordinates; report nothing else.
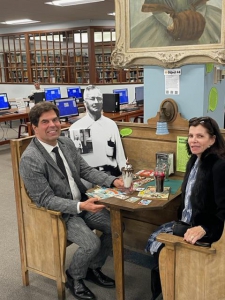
(169, 33)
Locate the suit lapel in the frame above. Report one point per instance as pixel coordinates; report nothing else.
(68, 156)
(46, 155)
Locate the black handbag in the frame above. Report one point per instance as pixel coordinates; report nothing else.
(180, 227)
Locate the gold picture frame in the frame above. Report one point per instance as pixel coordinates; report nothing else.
(148, 32)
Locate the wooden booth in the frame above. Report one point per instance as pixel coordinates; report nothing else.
(42, 233)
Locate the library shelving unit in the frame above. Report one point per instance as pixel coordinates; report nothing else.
(73, 56)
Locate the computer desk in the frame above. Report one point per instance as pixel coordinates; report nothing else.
(118, 209)
(125, 116)
(12, 117)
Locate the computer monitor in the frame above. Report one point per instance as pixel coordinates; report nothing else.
(75, 91)
(39, 97)
(67, 107)
(123, 95)
(139, 95)
(4, 103)
(52, 93)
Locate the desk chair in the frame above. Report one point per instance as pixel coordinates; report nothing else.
(23, 133)
(42, 232)
(191, 272)
(139, 119)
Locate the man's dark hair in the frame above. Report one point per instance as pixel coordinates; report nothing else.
(39, 109)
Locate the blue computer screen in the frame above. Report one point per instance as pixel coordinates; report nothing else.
(139, 93)
(52, 93)
(74, 91)
(4, 103)
(123, 95)
(67, 107)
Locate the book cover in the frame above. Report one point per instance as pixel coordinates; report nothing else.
(150, 193)
(145, 173)
(138, 182)
(104, 193)
(166, 158)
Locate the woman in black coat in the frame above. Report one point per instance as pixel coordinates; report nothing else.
(203, 191)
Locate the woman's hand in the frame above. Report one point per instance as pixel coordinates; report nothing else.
(194, 234)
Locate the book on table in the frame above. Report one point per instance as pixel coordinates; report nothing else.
(167, 159)
(150, 193)
(103, 193)
(145, 173)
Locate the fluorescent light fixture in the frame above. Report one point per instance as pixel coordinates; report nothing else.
(71, 2)
(18, 22)
(111, 14)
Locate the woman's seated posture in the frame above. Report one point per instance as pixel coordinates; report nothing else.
(203, 192)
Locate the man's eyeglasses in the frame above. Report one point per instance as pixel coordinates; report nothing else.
(99, 99)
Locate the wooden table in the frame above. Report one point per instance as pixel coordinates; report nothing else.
(125, 116)
(12, 116)
(118, 208)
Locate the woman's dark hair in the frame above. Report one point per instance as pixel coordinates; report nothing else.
(39, 109)
(213, 129)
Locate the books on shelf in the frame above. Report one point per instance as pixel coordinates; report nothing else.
(150, 193)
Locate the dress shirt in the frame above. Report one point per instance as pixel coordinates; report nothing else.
(102, 131)
(73, 186)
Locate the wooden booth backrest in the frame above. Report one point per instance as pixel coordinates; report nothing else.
(42, 233)
(142, 144)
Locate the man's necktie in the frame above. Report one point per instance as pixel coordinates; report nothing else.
(59, 161)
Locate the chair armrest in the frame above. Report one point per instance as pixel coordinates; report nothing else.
(172, 240)
(52, 212)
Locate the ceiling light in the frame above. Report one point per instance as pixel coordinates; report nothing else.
(18, 22)
(112, 14)
(71, 2)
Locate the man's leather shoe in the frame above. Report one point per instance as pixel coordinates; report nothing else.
(78, 288)
(99, 278)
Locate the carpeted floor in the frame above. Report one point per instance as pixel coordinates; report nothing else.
(139, 259)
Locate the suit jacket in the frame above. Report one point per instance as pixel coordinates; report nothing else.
(208, 195)
(45, 183)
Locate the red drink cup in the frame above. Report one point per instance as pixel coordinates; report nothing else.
(159, 179)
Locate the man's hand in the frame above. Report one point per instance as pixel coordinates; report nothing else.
(90, 205)
(118, 183)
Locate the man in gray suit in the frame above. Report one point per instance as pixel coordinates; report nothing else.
(62, 190)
